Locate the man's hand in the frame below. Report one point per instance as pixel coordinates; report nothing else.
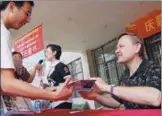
(38, 66)
(101, 86)
(89, 95)
(63, 92)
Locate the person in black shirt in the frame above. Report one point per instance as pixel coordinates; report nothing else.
(58, 73)
(139, 86)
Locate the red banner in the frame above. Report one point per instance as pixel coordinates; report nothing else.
(146, 26)
(30, 43)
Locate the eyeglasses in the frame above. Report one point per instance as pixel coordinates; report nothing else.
(28, 14)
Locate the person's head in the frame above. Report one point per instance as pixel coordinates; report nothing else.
(53, 51)
(17, 58)
(129, 46)
(16, 13)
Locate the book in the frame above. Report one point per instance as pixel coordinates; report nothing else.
(82, 85)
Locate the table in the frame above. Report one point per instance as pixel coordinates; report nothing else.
(61, 112)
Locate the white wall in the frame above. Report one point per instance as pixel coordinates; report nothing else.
(68, 57)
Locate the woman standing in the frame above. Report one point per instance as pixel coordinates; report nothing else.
(58, 73)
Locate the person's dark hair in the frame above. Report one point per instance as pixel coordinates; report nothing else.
(15, 53)
(19, 4)
(135, 39)
(56, 48)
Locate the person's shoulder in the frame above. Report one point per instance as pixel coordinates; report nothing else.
(4, 30)
(5, 36)
(153, 64)
(61, 64)
(63, 68)
(153, 67)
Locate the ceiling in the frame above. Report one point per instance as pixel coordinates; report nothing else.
(84, 24)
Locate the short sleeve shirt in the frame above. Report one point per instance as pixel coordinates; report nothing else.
(148, 74)
(59, 74)
(6, 54)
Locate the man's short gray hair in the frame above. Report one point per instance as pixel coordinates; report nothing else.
(135, 39)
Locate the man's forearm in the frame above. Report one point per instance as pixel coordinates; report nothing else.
(140, 95)
(12, 86)
(107, 101)
(20, 88)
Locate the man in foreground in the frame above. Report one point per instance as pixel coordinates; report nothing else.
(14, 15)
(139, 86)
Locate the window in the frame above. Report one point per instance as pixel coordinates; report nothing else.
(76, 71)
(105, 62)
(153, 47)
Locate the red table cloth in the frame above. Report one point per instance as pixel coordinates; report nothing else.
(61, 112)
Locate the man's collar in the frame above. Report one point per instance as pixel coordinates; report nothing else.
(143, 65)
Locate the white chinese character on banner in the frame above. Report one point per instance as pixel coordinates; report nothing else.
(34, 48)
(25, 53)
(29, 51)
(149, 25)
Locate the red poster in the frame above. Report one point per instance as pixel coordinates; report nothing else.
(30, 43)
